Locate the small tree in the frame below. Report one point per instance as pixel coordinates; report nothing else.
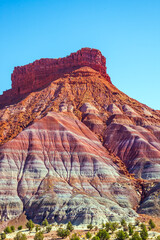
(144, 232)
(38, 236)
(107, 226)
(88, 235)
(20, 236)
(103, 234)
(90, 226)
(30, 225)
(7, 230)
(3, 236)
(95, 238)
(113, 226)
(121, 235)
(151, 224)
(123, 222)
(74, 237)
(13, 228)
(48, 228)
(136, 236)
(20, 227)
(45, 222)
(70, 226)
(63, 233)
(37, 228)
(130, 229)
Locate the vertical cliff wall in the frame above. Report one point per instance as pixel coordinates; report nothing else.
(40, 73)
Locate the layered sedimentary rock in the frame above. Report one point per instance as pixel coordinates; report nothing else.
(59, 169)
(80, 150)
(40, 73)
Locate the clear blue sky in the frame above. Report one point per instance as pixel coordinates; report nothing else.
(126, 31)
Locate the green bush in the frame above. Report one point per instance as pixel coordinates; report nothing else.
(3, 236)
(74, 237)
(45, 222)
(130, 229)
(107, 226)
(95, 238)
(90, 226)
(37, 228)
(144, 232)
(70, 226)
(113, 226)
(48, 228)
(63, 233)
(20, 236)
(13, 228)
(151, 224)
(121, 235)
(19, 227)
(38, 236)
(158, 238)
(136, 236)
(88, 235)
(103, 234)
(7, 230)
(30, 225)
(123, 222)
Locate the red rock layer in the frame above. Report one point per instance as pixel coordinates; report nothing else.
(40, 73)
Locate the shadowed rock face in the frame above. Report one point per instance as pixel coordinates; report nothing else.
(79, 150)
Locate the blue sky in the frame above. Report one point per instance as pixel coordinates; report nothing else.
(126, 31)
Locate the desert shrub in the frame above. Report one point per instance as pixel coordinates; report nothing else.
(151, 224)
(144, 232)
(113, 226)
(74, 237)
(90, 226)
(103, 234)
(3, 236)
(136, 236)
(48, 228)
(45, 222)
(30, 225)
(37, 228)
(158, 238)
(121, 235)
(130, 229)
(63, 233)
(107, 226)
(88, 235)
(20, 236)
(13, 228)
(70, 226)
(123, 222)
(95, 238)
(38, 236)
(96, 228)
(137, 222)
(7, 230)
(19, 227)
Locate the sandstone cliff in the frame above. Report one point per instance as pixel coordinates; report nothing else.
(78, 149)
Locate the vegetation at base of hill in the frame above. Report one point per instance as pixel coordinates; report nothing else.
(45, 222)
(151, 224)
(19, 227)
(30, 225)
(3, 236)
(70, 226)
(38, 236)
(20, 236)
(75, 237)
(63, 233)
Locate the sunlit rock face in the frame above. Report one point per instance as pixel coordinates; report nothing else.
(60, 170)
(78, 149)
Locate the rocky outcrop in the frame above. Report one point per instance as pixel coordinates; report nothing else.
(40, 73)
(80, 150)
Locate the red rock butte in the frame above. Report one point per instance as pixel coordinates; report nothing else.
(41, 73)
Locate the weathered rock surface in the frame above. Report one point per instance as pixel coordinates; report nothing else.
(78, 149)
(59, 169)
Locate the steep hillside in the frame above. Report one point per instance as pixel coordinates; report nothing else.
(78, 149)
